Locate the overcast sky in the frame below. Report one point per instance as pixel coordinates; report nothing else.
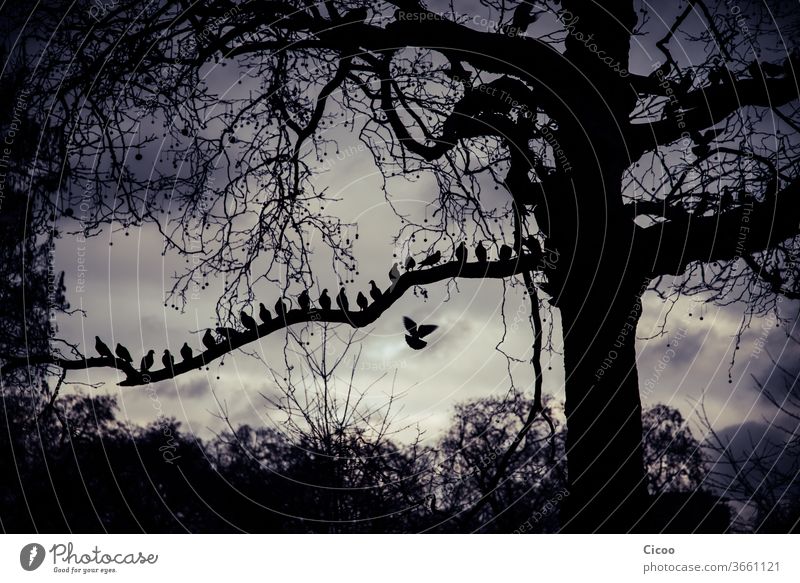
(126, 282)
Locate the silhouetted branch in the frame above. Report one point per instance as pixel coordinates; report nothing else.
(453, 269)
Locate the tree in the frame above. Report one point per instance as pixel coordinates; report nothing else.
(761, 472)
(681, 178)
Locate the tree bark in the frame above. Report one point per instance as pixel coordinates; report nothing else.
(604, 426)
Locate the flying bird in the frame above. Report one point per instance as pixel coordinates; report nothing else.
(505, 252)
(342, 301)
(186, 351)
(431, 260)
(416, 333)
(304, 301)
(361, 300)
(102, 349)
(248, 321)
(325, 300)
(461, 252)
(410, 263)
(168, 360)
(208, 340)
(480, 253)
(148, 360)
(123, 353)
(263, 313)
(374, 292)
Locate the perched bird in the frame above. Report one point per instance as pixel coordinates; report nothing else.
(228, 334)
(374, 292)
(304, 300)
(186, 351)
(726, 200)
(394, 274)
(461, 252)
(264, 314)
(342, 301)
(415, 335)
(361, 300)
(102, 349)
(123, 353)
(702, 141)
(168, 360)
(769, 70)
(325, 300)
(248, 321)
(431, 260)
(523, 17)
(480, 253)
(410, 263)
(280, 309)
(505, 252)
(208, 340)
(148, 360)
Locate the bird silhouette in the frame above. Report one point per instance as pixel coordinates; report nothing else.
(148, 360)
(102, 349)
(394, 274)
(228, 334)
(123, 353)
(505, 252)
(374, 292)
(361, 300)
(480, 253)
(264, 314)
(416, 333)
(726, 199)
(304, 300)
(208, 340)
(168, 360)
(342, 301)
(522, 18)
(702, 141)
(325, 300)
(248, 321)
(431, 259)
(186, 351)
(410, 263)
(461, 252)
(280, 309)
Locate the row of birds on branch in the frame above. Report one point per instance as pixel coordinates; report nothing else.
(460, 255)
(413, 338)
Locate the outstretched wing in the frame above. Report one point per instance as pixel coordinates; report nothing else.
(425, 329)
(410, 325)
(415, 342)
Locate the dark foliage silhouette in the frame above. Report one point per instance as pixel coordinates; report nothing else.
(672, 169)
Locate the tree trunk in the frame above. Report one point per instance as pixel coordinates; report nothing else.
(604, 425)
